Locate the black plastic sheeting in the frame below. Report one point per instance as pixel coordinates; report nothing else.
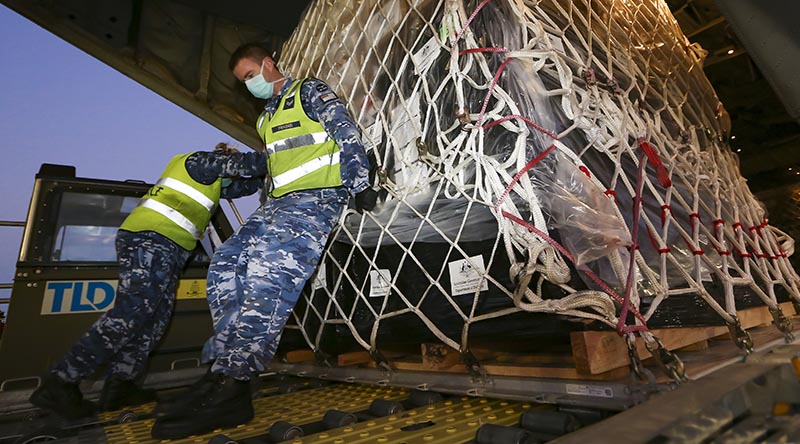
(542, 330)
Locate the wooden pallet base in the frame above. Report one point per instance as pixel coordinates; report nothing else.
(441, 358)
(596, 352)
(594, 355)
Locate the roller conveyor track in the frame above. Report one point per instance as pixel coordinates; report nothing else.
(453, 420)
(303, 407)
(757, 400)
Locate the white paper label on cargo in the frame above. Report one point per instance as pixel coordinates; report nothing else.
(380, 282)
(319, 278)
(466, 276)
(374, 135)
(597, 391)
(424, 58)
(405, 130)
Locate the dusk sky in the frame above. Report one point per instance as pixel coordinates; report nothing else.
(60, 105)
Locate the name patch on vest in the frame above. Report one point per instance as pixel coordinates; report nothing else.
(285, 126)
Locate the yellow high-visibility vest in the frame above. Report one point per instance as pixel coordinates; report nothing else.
(177, 206)
(301, 154)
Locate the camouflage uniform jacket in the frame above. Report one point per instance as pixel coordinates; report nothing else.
(247, 171)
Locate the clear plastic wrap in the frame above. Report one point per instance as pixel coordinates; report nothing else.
(584, 216)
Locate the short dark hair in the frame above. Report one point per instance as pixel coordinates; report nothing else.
(253, 51)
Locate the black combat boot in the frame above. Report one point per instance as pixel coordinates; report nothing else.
(175, 405)
(226, 403)
(62, 397)
(118, 393)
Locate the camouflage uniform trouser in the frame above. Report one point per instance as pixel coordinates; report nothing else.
(256, 277)
(123, 337)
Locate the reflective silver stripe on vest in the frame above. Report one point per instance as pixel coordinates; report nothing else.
(190, 192)
(294, 142)
(306, 168)
(172, 215)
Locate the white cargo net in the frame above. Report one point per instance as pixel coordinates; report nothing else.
(531, 128)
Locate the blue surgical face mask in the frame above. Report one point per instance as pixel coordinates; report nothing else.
(259, 87)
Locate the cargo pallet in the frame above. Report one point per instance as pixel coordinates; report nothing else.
(594, 355)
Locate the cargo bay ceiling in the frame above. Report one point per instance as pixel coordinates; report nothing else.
(177, 48)
(180, 50)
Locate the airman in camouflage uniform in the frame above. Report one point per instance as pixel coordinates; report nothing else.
(256, 277)
(152, 249)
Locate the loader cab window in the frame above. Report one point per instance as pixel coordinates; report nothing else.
(86, 226)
